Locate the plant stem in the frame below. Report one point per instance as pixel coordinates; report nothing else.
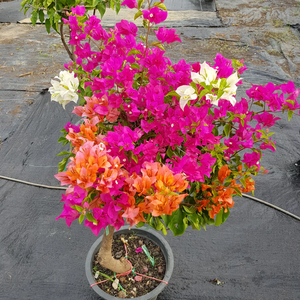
(71, 55)
(105, 257)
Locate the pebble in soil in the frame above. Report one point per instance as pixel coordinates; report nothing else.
(132, 285)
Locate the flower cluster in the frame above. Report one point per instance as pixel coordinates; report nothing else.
(160, 143)
(64, 91)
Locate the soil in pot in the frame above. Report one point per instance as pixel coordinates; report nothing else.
(133, 285)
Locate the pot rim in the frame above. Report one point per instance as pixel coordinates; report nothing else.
(152, 235)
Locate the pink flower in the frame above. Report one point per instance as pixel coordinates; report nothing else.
(167, 35)
(138, 250)
(78, 10)
(155, 15)
(252, 159)
(126, 28)
(267, 145)
(266, 119)
(130, 3)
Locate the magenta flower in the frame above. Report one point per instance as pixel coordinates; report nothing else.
(138, 250)
(75, 128)
(130, 3)
(252, 159)
(155, 15)
(126, 28)
(167, 35)
(78, 10)
(266, 119)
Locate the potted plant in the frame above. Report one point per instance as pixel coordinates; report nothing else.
(162, 144)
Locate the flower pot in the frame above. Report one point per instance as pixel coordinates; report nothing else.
(150, 234)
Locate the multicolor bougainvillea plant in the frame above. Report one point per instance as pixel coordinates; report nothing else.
(159, 143)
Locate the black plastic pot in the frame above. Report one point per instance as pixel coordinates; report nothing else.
(150, 234)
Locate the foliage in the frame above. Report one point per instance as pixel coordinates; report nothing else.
(162, 144)
(51, 12)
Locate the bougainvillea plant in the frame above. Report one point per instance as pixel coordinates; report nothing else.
(159, 143)
(51, 12)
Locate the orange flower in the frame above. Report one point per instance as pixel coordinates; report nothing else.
(164, 205)
(142, 184)
(215, 209)
(203, 204)
(224, 172)
(225, 197)
(234, 184)
(204, 187)
(250, 185)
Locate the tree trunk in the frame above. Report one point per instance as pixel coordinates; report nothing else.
(105, 257)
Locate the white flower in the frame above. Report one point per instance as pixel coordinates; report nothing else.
(186, 93)
(64, 91)
(232, 80)
(212, 98)
(207, 74)
(229, 97)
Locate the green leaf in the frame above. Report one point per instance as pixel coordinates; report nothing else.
(33, 17)
(157, 224)
(135, 66)
(133, 51)
(78, 208)
(226, 215)
(158, 45)
(203, 93)
(26, 9)
(243, 182)
(178, 223)
(41, 16)
(118, 7)
(189, 210)
(48, 25)
(167, 219)
(140, 224)
(63, 153)
(90, 218)
(62, 164)
(101, 8)
(215, 131)
(135, 158)
(140, 3)
(172, 93)
(138, 14)
(23, 3)
(219, 218)
(170, 152)
(62, 139)
(194, 86)
(160, 5)
(112, 4)
(81, 218)
(290, 114)
(227, 129)
(258, 103)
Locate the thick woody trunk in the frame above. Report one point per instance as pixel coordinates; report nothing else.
(105, 258)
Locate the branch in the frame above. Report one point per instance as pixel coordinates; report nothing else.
(64, 41)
